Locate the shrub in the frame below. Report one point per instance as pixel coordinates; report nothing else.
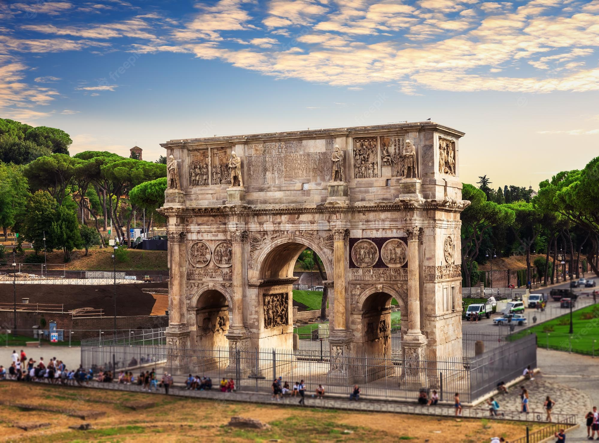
(2, 251)
(548, 328)
(564, 321)
(33, 258)
(122, 254)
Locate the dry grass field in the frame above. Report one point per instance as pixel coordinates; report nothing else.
(176, 419)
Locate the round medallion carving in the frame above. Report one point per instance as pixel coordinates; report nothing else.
(199, 254)
(394, 253)
(222, 254)
(365, 254)
(449, 250)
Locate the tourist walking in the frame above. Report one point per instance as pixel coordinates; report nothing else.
(167, 381)
(302, 392)
(548, 405)
(457, 404)
(524, 400)
(276, 395)
(589, 418)
(595, 426)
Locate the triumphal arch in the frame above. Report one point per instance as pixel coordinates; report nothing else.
(380, 205)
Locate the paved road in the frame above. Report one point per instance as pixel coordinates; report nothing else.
(580, 372)
(552, 310)
(70, 356)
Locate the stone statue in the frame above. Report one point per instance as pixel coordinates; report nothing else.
(410, 170)
(235, 169)
(173, 173)
(337, 159)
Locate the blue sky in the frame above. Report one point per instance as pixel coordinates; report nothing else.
(520, 78)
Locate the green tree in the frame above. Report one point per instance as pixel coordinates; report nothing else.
(161, 160)
(478, 218)
(483, 185)
(13, 196)
(20, 152)
(38, 218)
(56, 140)
(65, 232)
(53, 174)
(89, 237)
(499, 198)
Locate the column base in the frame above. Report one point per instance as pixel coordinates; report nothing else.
(177, 342)
(236, 195)
(409, 189)
(174, 197)
(414, 374)
(338, 192)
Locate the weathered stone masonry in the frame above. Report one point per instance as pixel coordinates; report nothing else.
(380, 205)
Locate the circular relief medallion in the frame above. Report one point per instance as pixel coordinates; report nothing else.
(449, 250)
(365, 254)
(394, 253)
(199, 254)
(222, 254)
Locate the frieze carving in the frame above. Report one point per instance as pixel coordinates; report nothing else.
(391, 154)
(378, 274)
(394, 253)
(365, 254)
(222, 254)
(220, 326)
(199, 173)
(192, 287)
(221, 174)
(199, 254)
(449, 250)
(338, 359)
(412, 361)
(276, 310)
(447, 157)
(366, 163)
(287, 161)
(209, 273)
(446, 272)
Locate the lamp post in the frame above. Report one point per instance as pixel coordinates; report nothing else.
(14, 288)
(114, 298)
(571, 322)
(494, 256)
(45, 256)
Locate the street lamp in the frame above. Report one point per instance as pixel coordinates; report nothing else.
(45, 257)
(114, 298)
(563, 263)
(14, 287)
(571, 322)
(494, 256)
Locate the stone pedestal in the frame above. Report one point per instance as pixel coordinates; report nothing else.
(414, 371)
(240, 363)
(338, 192)
(174, 197)
(410, 189)
(340, 371)
(177, 341)
(236, 195)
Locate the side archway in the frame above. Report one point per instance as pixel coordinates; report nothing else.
(211, 307)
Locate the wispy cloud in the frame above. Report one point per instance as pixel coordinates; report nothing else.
(40, 7)
(69, 112)
(98, 88)
(46, 79)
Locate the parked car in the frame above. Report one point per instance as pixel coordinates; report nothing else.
(590, 284)
(566, 302)
(574, 284)
(478, 309)
(318, 288)
(517, 319)
(514, 307)
(535, 300)
(558, 294)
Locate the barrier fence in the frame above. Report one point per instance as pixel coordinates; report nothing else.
(393, 377)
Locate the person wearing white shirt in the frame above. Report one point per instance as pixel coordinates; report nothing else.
(15, 356)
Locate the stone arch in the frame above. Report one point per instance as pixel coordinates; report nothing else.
(288, 249)
(401, 297)
(194, 296)
(210, 310)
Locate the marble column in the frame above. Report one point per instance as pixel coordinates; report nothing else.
(237, 334)
(414, 342)
(177, 333)
(338, 337)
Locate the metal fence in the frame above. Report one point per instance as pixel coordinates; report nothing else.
(542, 434)
(40, 274)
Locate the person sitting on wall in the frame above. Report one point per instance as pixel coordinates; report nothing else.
(2, 373)
(434, 400)
(231, 385)
(207, 383)
(286, 390)
(422, 397)
(223, 385)
(320, 392)
(355, 395)
(501, 387)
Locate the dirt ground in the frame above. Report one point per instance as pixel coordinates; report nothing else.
(175, 419)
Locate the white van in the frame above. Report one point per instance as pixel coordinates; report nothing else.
(514, 307)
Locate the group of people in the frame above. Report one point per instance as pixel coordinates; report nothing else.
(198, 383)
(280, 388)
(55, 371)
(425, 400)
(592, 423)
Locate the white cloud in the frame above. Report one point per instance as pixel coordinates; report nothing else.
(264, 42)
(69, 112)
(134, 28)
(47, 79)
(98, 88)
(283, 13)
(40, 7)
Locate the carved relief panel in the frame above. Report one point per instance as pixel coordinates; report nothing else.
(366, 162)
(394, 253)
(276, 310)
(449, 250)
(199, 173)
(365, 254)
(223, 254)
(199, 254)
(391, 151)
(220, 166)
(447, 156)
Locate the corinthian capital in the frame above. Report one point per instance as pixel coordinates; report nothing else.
(239, 236)
(340, 234)
(176, 236)
(414, 234)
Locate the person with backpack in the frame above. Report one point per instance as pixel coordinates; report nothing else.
(493, 407)
(548, 405)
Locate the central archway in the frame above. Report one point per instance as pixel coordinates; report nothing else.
(212, 320)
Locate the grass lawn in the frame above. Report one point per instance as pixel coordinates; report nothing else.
(175, 419)
(311, 299)
(307, 329)
(554, 334)
(21, 341)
